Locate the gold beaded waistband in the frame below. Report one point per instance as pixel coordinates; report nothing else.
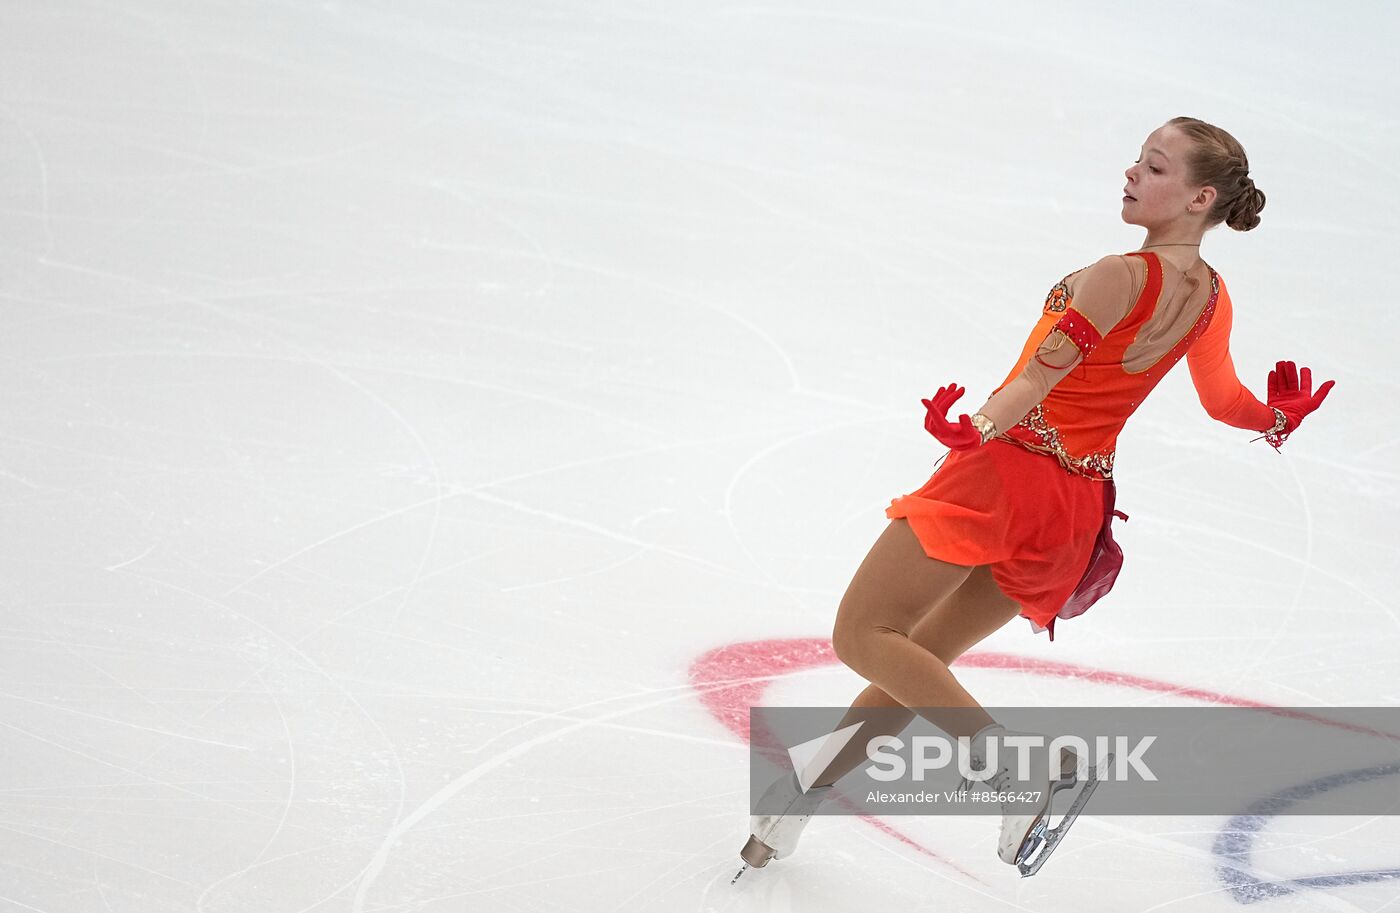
(1096, 466)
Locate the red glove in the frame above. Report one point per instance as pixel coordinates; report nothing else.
(1294, 400)
(962, 436)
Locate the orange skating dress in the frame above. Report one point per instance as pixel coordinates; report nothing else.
(1031, 501)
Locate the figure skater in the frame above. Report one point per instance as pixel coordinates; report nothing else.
(1016, 519)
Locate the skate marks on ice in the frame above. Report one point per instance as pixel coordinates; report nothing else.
(734, 677)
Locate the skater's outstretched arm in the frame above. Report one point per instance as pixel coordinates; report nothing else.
(1213, 373)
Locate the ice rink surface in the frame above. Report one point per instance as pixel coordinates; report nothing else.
(428, 426)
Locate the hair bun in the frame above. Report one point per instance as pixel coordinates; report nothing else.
(1244, 213)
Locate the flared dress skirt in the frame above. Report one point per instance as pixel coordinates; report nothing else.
(1033, 522)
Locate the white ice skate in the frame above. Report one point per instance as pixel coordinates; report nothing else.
(1025, 821)
(774, 835)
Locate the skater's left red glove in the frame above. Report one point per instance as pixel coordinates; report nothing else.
(962, 436)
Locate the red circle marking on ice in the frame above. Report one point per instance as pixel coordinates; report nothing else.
(733, 678)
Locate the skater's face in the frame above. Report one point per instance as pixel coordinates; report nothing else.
(1159, 184)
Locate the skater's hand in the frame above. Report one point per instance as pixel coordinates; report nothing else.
(1293, 399)
(962, 436)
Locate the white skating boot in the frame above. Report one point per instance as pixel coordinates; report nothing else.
(774, 835)
(1025, 817)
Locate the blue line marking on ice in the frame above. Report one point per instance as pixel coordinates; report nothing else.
(1235, 842)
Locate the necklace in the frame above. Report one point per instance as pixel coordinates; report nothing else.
(1180, 244)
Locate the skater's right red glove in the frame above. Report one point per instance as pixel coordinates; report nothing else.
(1293, 399)
(962, 436)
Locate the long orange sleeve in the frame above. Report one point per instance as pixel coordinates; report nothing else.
(1213, 373)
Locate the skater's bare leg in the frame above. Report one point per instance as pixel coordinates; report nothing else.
(964, 618)
(893, 588)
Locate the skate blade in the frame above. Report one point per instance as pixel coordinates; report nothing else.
(1043, 838)
(756, 853)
